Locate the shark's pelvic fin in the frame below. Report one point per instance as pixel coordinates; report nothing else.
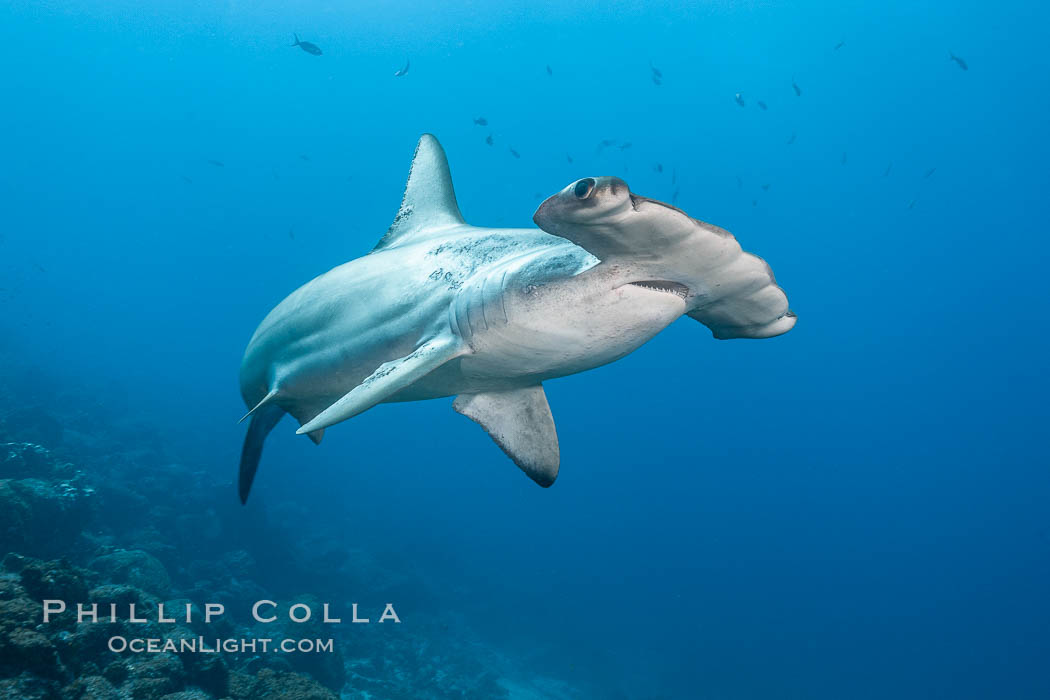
(265, 400)
(429, 201)
(316, 436)
(390, 378)
(262, 423)
(521, 423)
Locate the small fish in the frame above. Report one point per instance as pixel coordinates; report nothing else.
(791, 139)
(291, 234)
(962, 63)
(657, 81)
(765, 188)
(840, 45)
(911, 204)
(549, 71)
(889, 167)
(39, 267)
(674, 198)
(514, 153)
(537, 195)
(754, 202)
(399, 73)
(656, 71)
(481, 121)
(796, 88)
(216, 163)
(658, 168)
(488, 139)
(304, 157)
(739, 182)
(843, 157)
(762, 105)
(739, 99)
(929, 172)
(625, 145)
(674, 175)
(568, 157)
(306, 46)
(605, 143)
(187, 180)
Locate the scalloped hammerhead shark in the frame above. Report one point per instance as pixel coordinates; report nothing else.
(442, 308)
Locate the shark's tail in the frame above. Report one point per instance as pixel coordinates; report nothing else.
(264, 418)
(296, 39)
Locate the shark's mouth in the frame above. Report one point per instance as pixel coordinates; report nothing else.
(679, 290)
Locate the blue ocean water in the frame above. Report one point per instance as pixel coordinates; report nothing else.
(856, 509)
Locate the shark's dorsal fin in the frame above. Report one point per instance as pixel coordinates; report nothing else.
(429, 201)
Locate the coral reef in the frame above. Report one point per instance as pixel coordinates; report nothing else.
(87, 516)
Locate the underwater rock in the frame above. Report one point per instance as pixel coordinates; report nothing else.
(39, 516)
(208, 671)
(90, 688)
(188, 695)
(135, 568)
(273, 685)
(124, 595)
(13, 562)
(328, 669)
(14, 517)
(83, 443)
(149, 539)
(93, 521)
(116, 672)
(240, 563)
(29, 687)
(35, 424)
(23, 647)
(20, 460)
(152, 676)
(147, 688)
(53, 580)
(29, 650)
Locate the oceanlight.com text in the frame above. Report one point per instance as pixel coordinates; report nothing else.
(201, 645)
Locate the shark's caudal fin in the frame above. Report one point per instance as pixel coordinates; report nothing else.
(429, 201)
(520, 422)
(264, 418)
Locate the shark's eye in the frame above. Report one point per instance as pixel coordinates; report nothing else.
(583, 188)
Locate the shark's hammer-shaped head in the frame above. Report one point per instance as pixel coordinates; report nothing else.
(661, 248)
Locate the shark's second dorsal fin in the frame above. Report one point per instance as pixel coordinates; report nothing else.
(429, 201)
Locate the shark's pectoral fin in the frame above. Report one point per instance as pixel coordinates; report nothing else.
(521, 423)
(390, 378)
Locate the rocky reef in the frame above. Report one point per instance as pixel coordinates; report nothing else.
(75, 493)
